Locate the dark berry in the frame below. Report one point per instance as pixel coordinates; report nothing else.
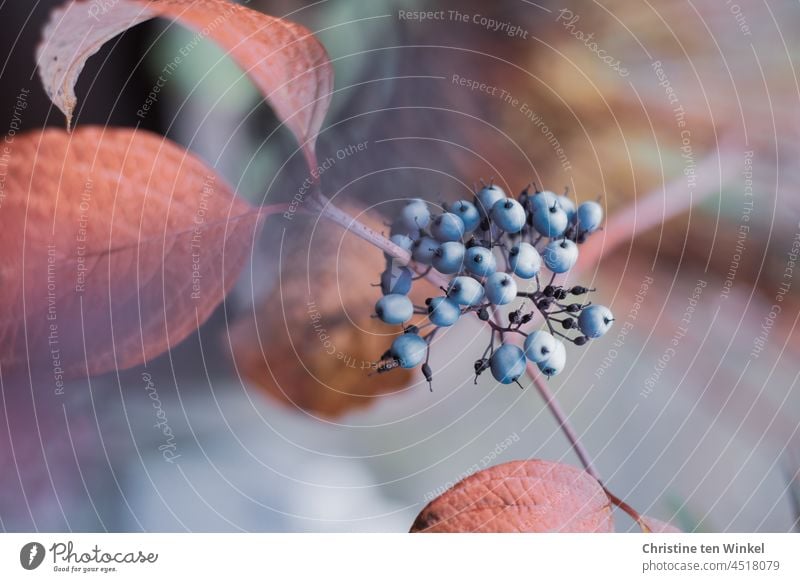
(426, 370)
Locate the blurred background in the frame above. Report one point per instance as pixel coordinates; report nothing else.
(691, 413)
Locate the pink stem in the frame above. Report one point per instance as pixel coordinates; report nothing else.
(659, 206)
(361, 230)
(563, 422)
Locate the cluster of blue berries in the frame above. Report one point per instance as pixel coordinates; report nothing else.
(487, 245)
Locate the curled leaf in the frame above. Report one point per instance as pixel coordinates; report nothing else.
(520, 496)
(285, 61)
(116, 245)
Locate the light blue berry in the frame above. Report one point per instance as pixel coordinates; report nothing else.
(509, 215)
(465, 291)
(555, 363)
(449, 257)
(415, 215)
(595, 320)
(560, 255)
(500, 288)
(468, 214)
(550, 221)
(443, 311)
(424, 250)
(409, 350)
(507, 363)
(487, 197)
(480, 261)
(396, 279)
(542, 201)
(568, 206)
(590, 216)
(525, 260)
(539, 346)
(447, 227)
(394, 308)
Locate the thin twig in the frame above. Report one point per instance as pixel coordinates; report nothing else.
(361, 230)
(555, 409)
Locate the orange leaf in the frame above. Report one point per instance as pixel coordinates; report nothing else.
(653, 525)
(117, 244)
(521, 496)
(285, 61)
(310, 343)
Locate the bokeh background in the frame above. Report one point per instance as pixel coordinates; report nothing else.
(275, 434)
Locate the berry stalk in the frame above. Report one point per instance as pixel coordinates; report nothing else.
(563, 422)
(376, 239)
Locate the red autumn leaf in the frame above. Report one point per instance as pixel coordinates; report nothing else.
(116, 245)
(285, 61)
(520, 496)
(653, 525)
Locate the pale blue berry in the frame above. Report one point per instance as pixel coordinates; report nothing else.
(465, 291)
(542, 201)
(394, 308)
(487, 197)
(568, 206)
(480, 261)
(443, 311)
(595, 320)
(539, 346)
(590, 216)
(524, 260)
(396, 279)
(468, 214)
(560, 255)
(424, 250)
(507, 363)
(415, 215)
(550, 221)
(509, 215)
(449, 257)
(554, 364)
(447, 227)
(500, 288)
(409, 350)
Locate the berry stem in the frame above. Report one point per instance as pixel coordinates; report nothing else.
(558, 413)
(635, 515)
(361, 230)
